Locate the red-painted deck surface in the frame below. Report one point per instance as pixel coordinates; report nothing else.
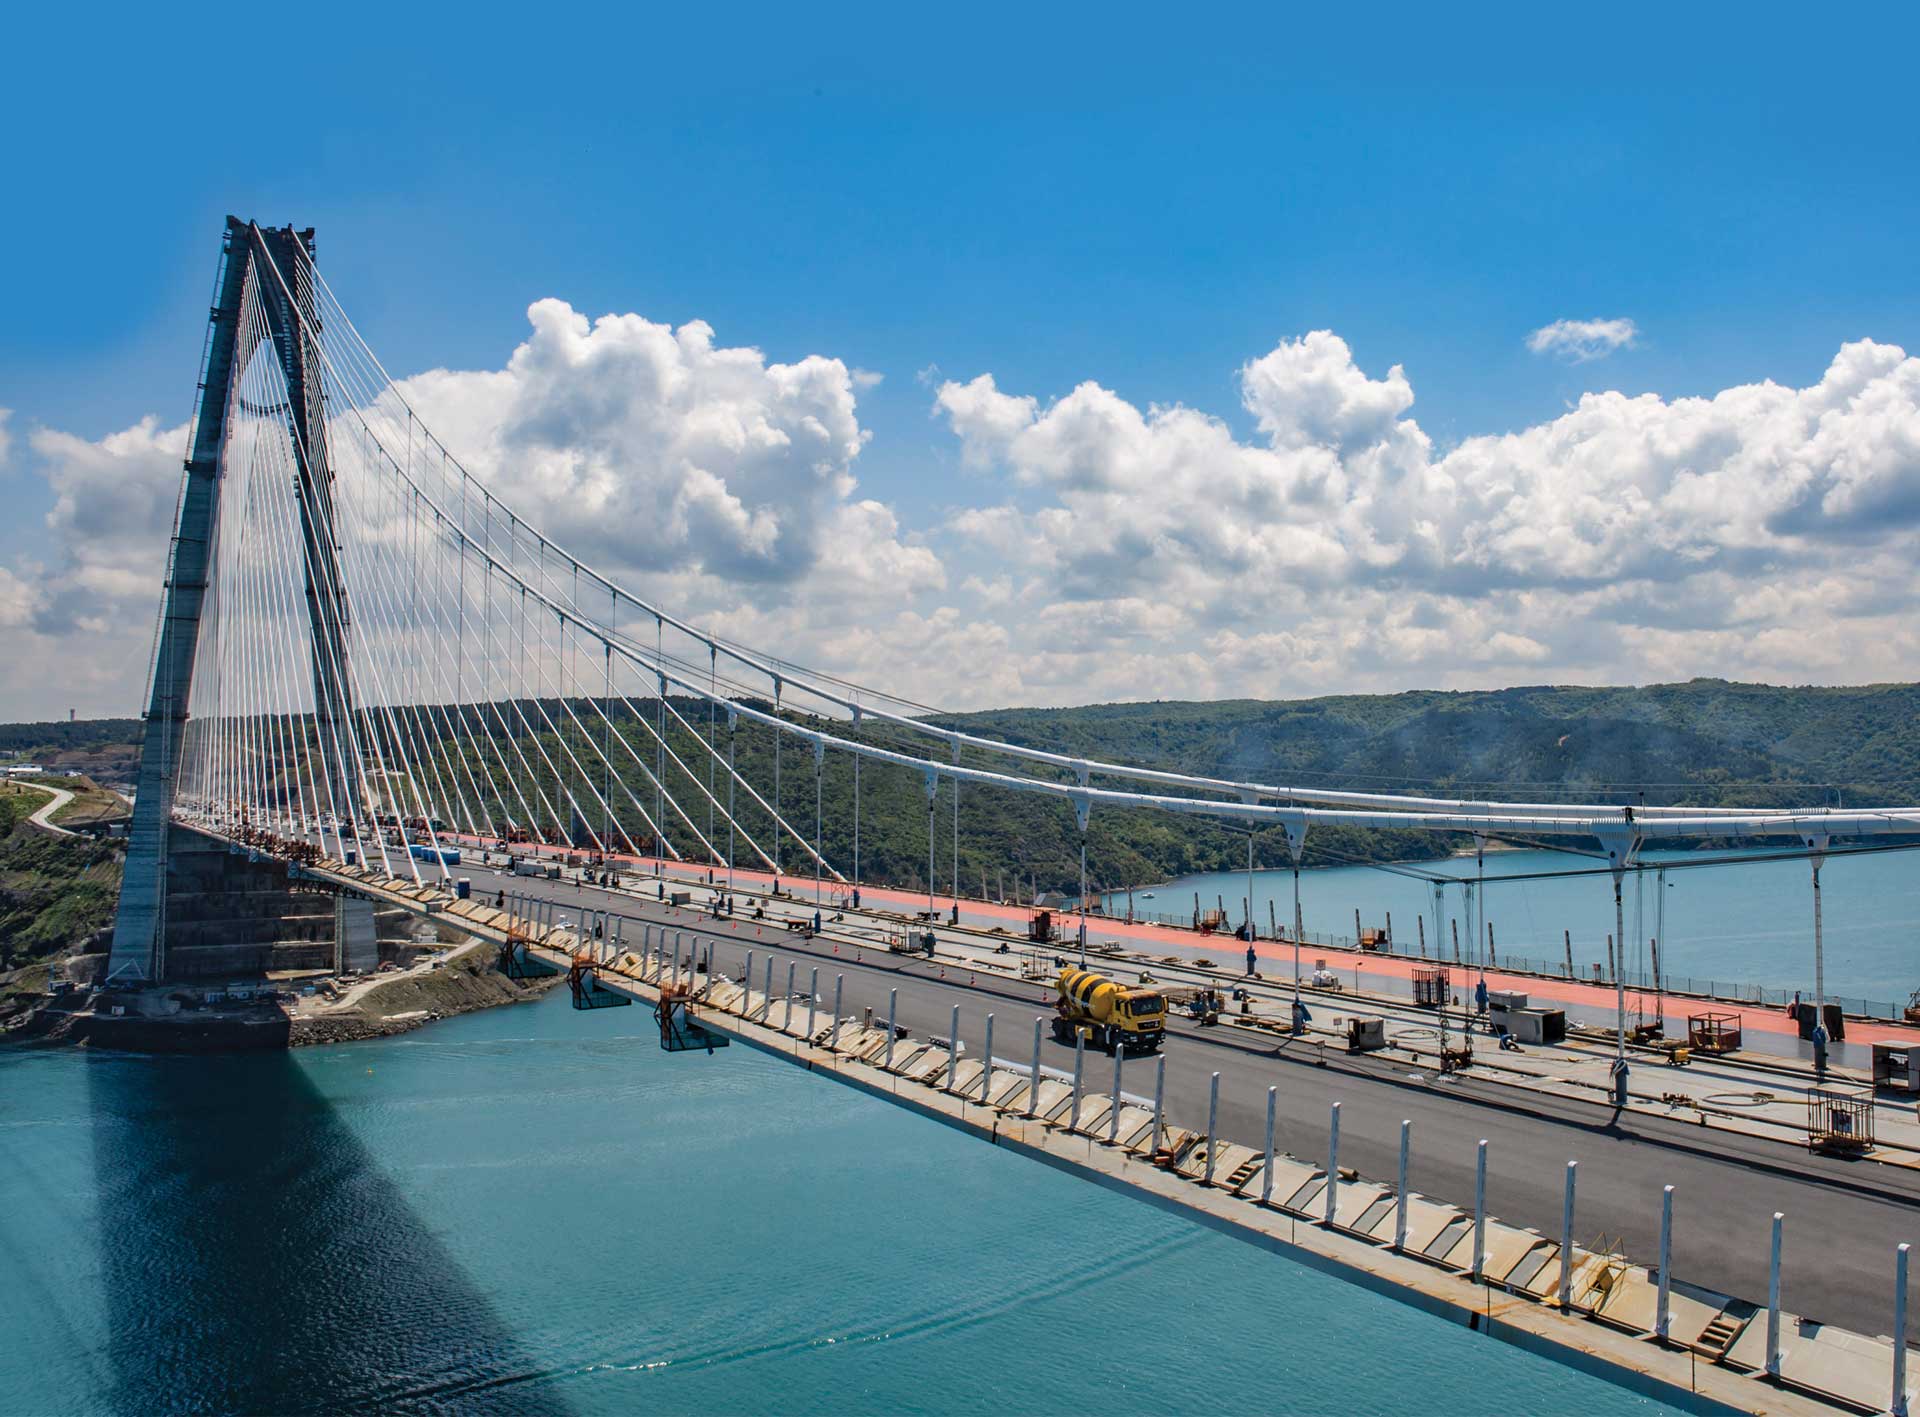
(1597, 998)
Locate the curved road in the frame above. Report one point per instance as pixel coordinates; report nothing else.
(44, 817)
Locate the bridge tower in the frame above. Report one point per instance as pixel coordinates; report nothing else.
(275, 259)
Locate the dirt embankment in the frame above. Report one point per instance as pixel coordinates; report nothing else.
(466, 982)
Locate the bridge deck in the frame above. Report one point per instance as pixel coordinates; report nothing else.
(1394, 970)
(1844, 1217)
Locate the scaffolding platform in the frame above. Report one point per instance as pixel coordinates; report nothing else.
(588, 992)
(679, 1032)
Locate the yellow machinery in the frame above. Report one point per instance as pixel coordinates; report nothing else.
(1109, 1015)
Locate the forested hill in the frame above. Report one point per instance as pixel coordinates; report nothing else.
(1706, 742)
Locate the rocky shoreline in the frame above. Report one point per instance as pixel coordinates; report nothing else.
(465, 983)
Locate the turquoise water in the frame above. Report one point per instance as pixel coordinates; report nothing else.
(532, 1210)
(1751, 923)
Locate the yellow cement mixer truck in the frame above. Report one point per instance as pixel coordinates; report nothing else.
(1108, 1015)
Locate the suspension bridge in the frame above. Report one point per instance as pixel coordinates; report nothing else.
(367, 662)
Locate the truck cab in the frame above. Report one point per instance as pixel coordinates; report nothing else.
(1108, 1015)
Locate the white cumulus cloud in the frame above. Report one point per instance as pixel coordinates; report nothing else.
(702, 473)
(1342, 550)
(1103, 549)
(1582, 340)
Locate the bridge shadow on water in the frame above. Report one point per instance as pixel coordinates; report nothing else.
(255, 1259)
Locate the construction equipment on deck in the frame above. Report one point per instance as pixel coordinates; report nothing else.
(1430, 984)
(1896, 1066)
(1109, 1015)
(1040, 926)
(1840, 1120)
(1713, 1033)
(902, 941)
(1366, 1035)
(1601, 1275)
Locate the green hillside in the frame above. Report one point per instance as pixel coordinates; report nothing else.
(54, 892)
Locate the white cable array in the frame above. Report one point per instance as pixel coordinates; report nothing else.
(477, 690)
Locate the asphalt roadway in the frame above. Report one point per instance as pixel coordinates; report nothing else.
(1843, 1218)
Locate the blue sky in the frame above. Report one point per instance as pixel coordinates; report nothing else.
(1146, 198)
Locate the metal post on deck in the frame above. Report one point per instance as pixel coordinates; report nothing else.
(1400, 1205)
(1213, 1125)
(1159, 1095)
(1079, 1067)
(813, 1000)
(1479, 1208)
(986, 1064)
(1773, 1299)
(1619, 994)
(1113, 1108)
(1252, 932)
(953, 1046)
(786, 1020)
(833, 1039)
(1333, 1163)
(1662, 1311)
(1033, 1078)
(893, 1004)
(766, 1007)
(1266, 1170)
(1899, 1404)
(746, 982)
(1566, 1238)
(1818, 845)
